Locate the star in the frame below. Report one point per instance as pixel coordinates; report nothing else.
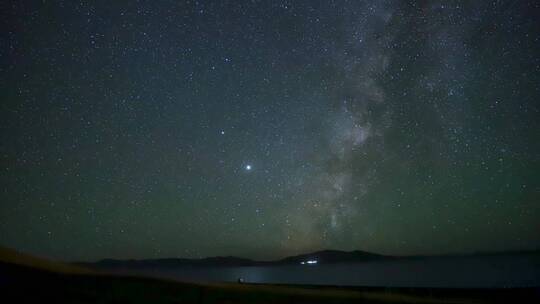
(248, 167)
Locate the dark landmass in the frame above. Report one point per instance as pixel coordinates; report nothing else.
(26, 279)
(334, 256)
(322, 257)
(325, 256)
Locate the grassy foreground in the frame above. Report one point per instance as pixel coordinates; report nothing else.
(27, 279)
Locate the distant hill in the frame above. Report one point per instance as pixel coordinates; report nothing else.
(322, 257)
(333, 256)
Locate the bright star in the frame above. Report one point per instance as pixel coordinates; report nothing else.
(248, 167)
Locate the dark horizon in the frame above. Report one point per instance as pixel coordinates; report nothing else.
(269, 128)
(463, 254)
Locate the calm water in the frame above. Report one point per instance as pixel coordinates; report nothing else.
(487, 271)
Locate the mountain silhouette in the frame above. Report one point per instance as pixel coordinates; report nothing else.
(322, 257)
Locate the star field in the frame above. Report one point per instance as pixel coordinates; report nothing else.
(267, 128)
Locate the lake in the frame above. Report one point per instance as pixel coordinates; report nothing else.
(459, 272)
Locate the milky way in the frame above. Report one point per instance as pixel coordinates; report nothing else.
(267, 128)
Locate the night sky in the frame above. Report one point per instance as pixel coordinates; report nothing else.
(261, 129)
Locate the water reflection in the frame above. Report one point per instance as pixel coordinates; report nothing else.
(491, 271)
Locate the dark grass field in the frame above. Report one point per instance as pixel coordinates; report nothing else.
(30, 280)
